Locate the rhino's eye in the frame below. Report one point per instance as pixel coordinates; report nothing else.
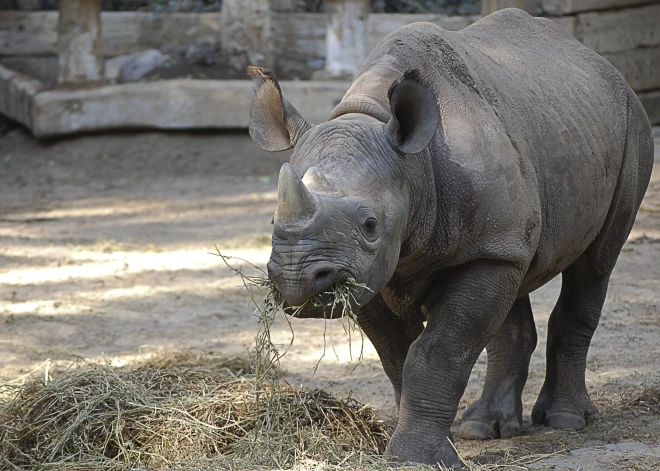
(370, 226)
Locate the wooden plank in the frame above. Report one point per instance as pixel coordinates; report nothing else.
(620, 30)
(286, 6)
(128, 32)
(382, 24)
(640, 67)
(35, 33)
(45, 68)
(299, 34)
(172, 104)
(491, 6)
(25, 33)
(17, 92)
(567, 7)
(567, 23)
(303, 34)
(346, 37)
(80, 46)
(651, 103)
(246, 33)
(28, 4)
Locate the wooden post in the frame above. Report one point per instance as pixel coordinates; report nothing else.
(246, 33)
(79, 41)
(346, 37)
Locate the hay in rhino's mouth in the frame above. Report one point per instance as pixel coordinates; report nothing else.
(337, 302)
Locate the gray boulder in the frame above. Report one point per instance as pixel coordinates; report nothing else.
(135, 67)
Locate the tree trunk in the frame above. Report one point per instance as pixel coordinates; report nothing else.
(346, 37)
(246, 33)
(79, 41)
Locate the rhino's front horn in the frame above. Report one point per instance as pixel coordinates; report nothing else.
(295, 203)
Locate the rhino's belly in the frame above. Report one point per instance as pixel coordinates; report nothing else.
(562, 242)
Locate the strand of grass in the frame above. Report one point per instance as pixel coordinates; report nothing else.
(266, 353)
(342, 295)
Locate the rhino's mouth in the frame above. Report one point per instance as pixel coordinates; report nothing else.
(331, 304)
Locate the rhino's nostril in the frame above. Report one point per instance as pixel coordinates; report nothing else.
(273, 270)
(324, 278)
(322, 275)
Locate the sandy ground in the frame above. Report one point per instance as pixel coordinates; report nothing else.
(104, 254)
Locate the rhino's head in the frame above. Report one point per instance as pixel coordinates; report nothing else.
(343, 202)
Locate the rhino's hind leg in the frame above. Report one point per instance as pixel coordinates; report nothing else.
(498, 413)
(564, 402)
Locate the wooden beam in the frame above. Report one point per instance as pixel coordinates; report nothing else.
(382, 24)
(246, 33)
(17, 92)
(567, 7)
(640, 67)
(620, 30)
(346, 36)
(303, 34)
(79, 41)
(171, 104)
(491, 6)
(651, 103)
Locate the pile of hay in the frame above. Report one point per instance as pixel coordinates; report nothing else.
(184, 412)
(97, 417)
(173, 413)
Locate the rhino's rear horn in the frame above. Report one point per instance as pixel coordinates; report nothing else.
(317, 182)
(295, 203)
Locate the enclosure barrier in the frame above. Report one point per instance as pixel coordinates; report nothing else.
(625, 32)
(77, 41)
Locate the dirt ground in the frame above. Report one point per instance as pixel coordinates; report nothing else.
(104, 254)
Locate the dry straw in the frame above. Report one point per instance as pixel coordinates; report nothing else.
(183, 412)
(176, 414)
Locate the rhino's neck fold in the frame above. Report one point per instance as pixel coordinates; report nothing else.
(422, 215)
(361, 105)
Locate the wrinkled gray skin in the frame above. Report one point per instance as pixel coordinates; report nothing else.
(461, 171)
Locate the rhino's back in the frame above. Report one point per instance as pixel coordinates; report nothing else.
(515, 64)
(534, 121)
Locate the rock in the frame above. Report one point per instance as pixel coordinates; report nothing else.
(140, 64)
(613, 457)
(114, 65)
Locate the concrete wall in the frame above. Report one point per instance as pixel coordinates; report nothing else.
(30, 38)
(629, 37)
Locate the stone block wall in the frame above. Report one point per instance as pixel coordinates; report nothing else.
(625, 32)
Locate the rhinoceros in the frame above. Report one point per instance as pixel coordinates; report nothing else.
(460, 172)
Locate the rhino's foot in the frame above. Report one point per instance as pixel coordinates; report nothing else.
(564, 414)
(421, 451)
(482, 421)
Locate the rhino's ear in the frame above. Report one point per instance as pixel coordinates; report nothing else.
(415, 114)
(275, 124)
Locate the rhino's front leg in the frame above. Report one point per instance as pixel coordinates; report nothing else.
(474, 302)
(391, 336)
